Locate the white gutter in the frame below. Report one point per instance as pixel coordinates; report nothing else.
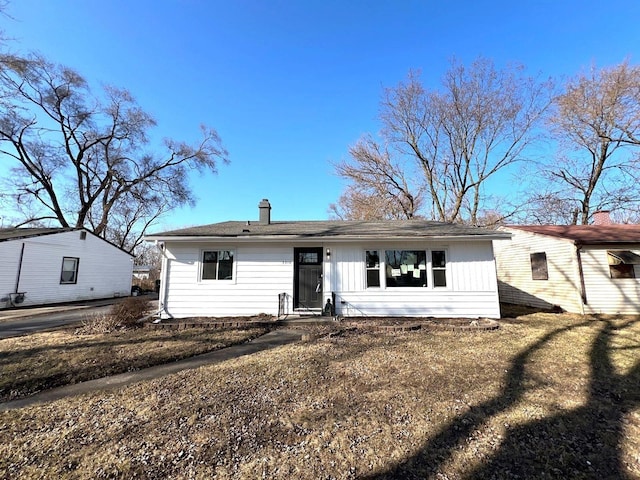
(325, 239)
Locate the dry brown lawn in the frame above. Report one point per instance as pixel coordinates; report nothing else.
(545, 396)
(40, 361)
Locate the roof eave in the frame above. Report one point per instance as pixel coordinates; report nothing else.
(323, 238)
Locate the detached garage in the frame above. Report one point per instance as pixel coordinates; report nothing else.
(54, 265)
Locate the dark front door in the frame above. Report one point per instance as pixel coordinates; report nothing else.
(308, 278)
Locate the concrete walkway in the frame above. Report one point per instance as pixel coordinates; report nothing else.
(270, 340)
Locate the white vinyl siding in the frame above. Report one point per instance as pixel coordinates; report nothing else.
(606, 294)
(264, 271)
(516, 285)
(104, 270)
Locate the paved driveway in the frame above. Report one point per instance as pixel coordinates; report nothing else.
(23, 321)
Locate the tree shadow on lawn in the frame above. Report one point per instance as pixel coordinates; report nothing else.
(581, 443)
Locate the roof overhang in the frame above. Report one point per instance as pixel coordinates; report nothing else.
(325, 239)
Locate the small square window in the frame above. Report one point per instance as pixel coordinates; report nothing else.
(217, 265)
(69, 273)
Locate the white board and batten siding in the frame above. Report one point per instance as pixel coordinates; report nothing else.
(262, 271)
(103, 270)
(260, 274)
(471, 289)
(516, 285)
(605, 294)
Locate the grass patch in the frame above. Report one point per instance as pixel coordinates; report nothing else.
(546, 396)
(46, 360)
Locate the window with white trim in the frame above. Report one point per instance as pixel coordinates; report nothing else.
(217, 265)
(373, 268)
(439, 268)
(69, 273)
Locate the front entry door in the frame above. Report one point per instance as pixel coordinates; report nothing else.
(308, 278)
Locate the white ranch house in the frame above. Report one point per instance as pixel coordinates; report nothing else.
(586, 269)
(54, 265)
(390, 268)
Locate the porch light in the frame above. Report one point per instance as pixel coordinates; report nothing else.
(328, 253)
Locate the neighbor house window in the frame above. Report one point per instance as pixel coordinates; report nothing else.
(406, 268)
(373, 268)
(539, 266)
(69, 272)
(217, 265)
(621, 263)
(439, 268)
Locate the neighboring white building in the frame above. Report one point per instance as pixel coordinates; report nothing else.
(54, 265)
(580, 268)
(386, 268)
(141, 272)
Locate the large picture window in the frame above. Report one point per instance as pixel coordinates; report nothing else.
(69, 272)
(406, 268)
(217, 265)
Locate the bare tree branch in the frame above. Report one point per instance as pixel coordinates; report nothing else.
(597, 125)
(86, 160)
(450, 142)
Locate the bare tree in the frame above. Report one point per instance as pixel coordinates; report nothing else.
(596, 122)
(86, 161)
(454, 140)
(379, 189)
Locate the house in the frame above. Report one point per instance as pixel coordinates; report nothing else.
(53, 265)
(580, 268)
(141, 272)
(351, 268)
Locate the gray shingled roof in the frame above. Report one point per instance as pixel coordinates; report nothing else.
(332, 229)
(16, 233)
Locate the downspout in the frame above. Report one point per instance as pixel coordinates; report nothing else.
(163, 282)
(583, 288)
(19, 269)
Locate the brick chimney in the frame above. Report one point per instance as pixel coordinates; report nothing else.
(265, 212)
(602, 217)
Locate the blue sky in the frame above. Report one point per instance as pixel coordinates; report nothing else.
(289, 85)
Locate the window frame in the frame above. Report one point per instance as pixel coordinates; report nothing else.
(218, 251)
(429, 270)
(623, 263)
(537, 272)
(368, 269)
(75, 271)
(444, 269)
